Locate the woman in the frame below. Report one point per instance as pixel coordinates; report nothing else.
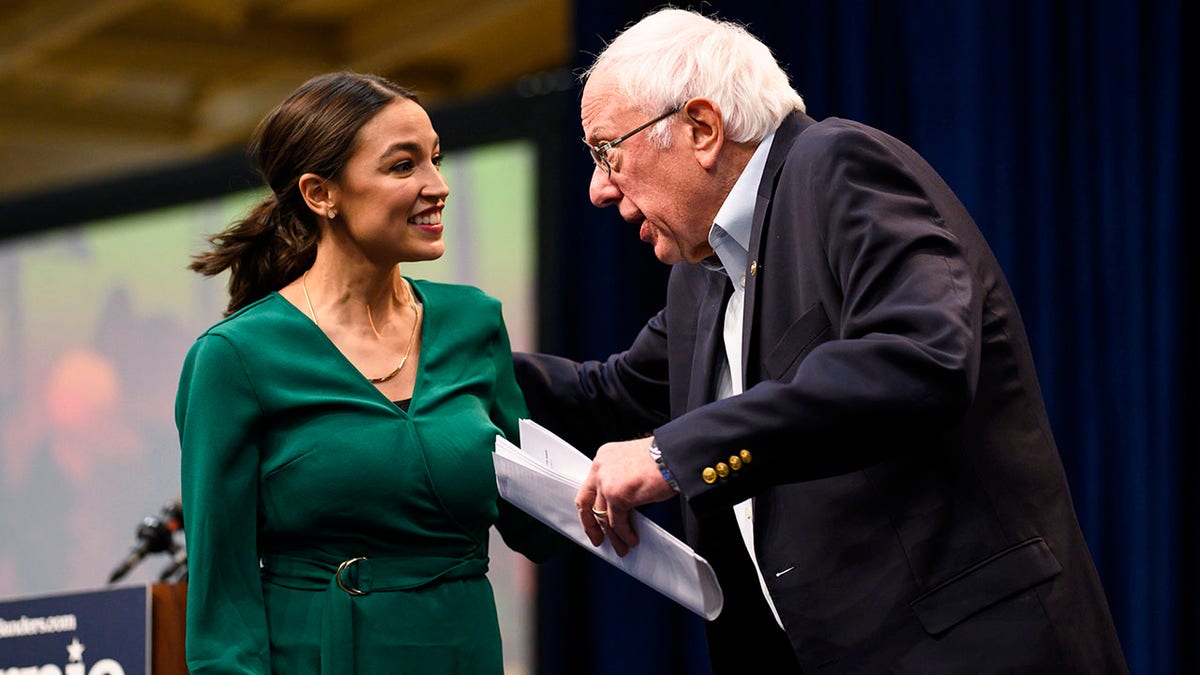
(337, 425)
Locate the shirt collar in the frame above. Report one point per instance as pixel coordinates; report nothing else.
(730, 232)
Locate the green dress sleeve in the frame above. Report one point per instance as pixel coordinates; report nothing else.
(520, 531)
(217, 412)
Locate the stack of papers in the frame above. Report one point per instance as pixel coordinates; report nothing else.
(542, 476)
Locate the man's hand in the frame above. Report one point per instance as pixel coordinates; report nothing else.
(623, 476)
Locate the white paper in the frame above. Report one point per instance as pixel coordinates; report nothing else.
(542, 476)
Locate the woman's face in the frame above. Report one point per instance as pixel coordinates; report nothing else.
(391, 193)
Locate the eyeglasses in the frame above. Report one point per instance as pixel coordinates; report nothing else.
(600, 152)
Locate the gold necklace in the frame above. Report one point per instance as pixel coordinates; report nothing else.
(412, 302)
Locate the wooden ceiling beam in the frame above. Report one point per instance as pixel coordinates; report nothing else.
(398, 37)
(171, 56)
(50, 118)
(228, 114)
(326, 11)
(402, 34)
(228, 14)
(53, 24)
(101, 86)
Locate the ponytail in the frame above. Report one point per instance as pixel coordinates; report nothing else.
(263, 252)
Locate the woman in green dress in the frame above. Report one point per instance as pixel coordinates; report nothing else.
(337, 426)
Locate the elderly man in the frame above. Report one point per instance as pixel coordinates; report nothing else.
(839, 387)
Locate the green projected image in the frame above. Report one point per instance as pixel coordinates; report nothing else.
(94, 323)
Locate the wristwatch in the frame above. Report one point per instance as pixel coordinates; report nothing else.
(662, 466)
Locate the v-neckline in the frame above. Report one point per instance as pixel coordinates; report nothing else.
(421, 360)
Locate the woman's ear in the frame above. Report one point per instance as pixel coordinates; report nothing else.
(706, 130)
(318, 195)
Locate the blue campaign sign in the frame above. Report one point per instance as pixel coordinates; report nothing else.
(105, 632)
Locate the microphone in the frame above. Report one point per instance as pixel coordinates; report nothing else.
(155, 534)
(176, 568)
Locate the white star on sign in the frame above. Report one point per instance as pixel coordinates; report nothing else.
(75, 649)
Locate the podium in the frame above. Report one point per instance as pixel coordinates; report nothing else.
(124, 630)
(168, 619)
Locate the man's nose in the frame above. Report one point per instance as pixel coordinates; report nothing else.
(602, 191)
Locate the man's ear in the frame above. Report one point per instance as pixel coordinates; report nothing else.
(706, 130)
(318, 194)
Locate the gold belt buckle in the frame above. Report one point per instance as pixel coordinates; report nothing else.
(343, 567)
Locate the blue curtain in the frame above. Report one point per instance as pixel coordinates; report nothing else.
(1059, 124)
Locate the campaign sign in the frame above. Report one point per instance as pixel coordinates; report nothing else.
(104, 632)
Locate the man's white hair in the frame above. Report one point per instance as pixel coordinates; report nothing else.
(673, 55)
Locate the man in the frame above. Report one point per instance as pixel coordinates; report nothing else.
(839, 387)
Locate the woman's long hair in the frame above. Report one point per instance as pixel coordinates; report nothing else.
(312, 131)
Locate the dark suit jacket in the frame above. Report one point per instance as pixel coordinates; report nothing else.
(911, 510)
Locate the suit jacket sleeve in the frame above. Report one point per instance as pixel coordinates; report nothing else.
(520, 531)
(594, 402)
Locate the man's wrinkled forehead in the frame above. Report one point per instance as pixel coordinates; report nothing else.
(601, 107)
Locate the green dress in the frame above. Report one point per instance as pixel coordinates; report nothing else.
(294, 464)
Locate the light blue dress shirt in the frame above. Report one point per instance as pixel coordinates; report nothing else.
(730, 239)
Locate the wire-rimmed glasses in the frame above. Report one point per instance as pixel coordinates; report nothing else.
(600, 152)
